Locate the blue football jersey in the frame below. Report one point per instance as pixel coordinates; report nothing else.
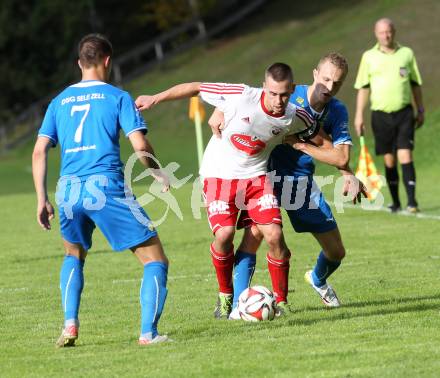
(334, 121)
(86, 119)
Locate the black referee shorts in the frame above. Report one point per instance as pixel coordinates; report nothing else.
(393, 131)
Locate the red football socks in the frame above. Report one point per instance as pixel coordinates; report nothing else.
(279, 273)
(223, 263)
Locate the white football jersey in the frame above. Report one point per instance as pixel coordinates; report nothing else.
(250, 131)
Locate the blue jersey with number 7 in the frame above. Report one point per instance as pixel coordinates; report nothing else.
(86, 119)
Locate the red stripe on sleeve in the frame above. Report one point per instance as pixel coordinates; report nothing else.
(304, 119)
(221, 89)
(221, 86)
(221, 93)
(305, 114)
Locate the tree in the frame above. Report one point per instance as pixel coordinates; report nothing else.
(36, 47)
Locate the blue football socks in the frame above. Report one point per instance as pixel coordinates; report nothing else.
(323, 269)
(71, 285)
(244, 268)
(153, 294)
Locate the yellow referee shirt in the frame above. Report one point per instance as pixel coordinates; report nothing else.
(389, 77)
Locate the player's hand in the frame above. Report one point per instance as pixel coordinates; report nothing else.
(354, 188)
(217, 122)
(291, 139)
(295, 142)
(145, 102)
(45, 213)
(359, 125)
(420, 120)
(162, 178)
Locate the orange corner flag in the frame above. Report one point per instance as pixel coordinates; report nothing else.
(367, 172)
(196, 106)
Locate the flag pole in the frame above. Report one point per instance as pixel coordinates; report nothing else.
(199, 136)
(197, 114)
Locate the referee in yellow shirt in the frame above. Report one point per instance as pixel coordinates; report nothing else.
(389, 72)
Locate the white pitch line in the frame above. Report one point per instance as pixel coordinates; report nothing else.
(386, 210)
(131, 280)
(182, 277)
(12, 289)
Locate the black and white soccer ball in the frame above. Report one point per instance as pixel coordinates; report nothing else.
(256, 303)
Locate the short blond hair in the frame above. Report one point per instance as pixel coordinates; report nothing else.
(338, 60)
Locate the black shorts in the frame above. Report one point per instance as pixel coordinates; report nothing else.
(393, 131)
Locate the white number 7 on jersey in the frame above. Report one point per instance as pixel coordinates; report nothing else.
(80, 108)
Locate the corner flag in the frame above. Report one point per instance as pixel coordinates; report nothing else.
(197, 114)
(367, 172)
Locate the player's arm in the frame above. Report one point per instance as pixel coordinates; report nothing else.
(217, 122)
(146, 156)
(353, 187)
(361, 104)
(321, 148)
(418, 99)
(362, 84)
(45, 211)
(176, 92)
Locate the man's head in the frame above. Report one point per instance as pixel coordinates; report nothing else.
(384, 31)
(278, 86)
(94, 51)
(329, 76)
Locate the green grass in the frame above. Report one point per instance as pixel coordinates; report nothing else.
(388, 326)
(388, 282)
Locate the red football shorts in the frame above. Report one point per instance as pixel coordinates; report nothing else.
(226, 198)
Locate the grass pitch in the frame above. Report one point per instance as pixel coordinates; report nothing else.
(388, 325)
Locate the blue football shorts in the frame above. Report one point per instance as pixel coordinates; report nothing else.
(103, 201)
(305, 204)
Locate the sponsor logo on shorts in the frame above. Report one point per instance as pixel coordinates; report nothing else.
(218, 207)
(268, 201)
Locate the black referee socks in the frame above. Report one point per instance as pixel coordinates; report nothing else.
(409, 179)
(392, 176)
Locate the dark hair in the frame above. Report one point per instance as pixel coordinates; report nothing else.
(279, 72)
(93, 48)
(336, 59)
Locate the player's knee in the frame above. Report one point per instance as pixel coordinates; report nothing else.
(341, 253)
(77, 255)
(150, 250)
(76, 252)
(163, 259)
(225, 236)
(251, 241)
(274, 236)
(256, 233)
(336, 254)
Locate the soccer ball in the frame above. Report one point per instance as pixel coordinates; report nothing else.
(256, 303)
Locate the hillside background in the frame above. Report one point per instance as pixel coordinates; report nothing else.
(296, 33)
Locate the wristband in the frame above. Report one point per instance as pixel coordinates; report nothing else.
(421, 110)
